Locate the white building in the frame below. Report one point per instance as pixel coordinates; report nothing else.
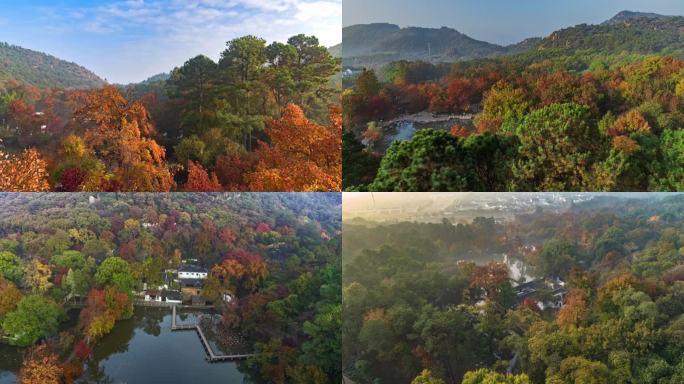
(189, 271)
(163, 296)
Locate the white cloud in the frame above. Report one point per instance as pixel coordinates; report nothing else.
(161, 34)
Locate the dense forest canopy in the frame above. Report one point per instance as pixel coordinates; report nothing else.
(278, 254)
(264, 117)
(591, 108)
(430, 303)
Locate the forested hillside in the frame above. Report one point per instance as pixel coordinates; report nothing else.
(376, 44)
(591, 108)
(279, 254)
(387, 42)
(593, 294)
(265, 117)
(42, 70)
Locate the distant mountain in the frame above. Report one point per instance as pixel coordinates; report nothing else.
(336, 50)
(626, 32)
(156, 78)
(525, 45)
(625, 16)
(634, 32)
(386, 42)
(43, 70)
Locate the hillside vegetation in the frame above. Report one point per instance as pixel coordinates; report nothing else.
(42, 70)
(590, 108)
(626, 32)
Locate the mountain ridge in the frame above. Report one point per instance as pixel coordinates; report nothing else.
(624, 16)
(381, 43)
(43, 70)
(385, 39)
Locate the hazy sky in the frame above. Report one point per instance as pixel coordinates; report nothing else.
(367, 200)
(131, 40)
(499, 21)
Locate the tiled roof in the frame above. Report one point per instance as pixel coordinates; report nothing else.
(192, 268)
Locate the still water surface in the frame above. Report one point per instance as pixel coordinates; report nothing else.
(405, 129)
(142, 350)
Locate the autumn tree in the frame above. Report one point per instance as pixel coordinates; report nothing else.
(200, 181)
(77, 169)
(302, 155)
(120, 133)
(502, 102)
(103, 308)
(486, 376)
(426, 377)
(23, 173)
(582, 370)
(41, 367)
(37, 276)
(240, 270)
(493, 280)
(9, 297)
(576, 310)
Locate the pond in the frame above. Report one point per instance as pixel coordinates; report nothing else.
(405, 129)
(143, 350)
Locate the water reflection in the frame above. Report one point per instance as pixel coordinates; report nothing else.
(10, 362)
(143, 350)
(405, 129)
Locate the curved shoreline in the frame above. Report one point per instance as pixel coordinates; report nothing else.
(426, 117)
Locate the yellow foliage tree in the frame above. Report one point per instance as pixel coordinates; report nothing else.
(23, 173)
(37, 276)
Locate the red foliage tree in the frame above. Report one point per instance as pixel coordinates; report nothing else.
(72, 179)
(460, 131)
(82, 350)
(200, 181)
(263, 228)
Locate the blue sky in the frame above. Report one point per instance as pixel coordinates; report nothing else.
(130, 40)
(499, 21)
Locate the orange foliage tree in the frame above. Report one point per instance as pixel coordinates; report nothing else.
(302, 155)
(238, 269)
(24, 173)
(120, 134)
(9, 296)
(460, 131)
(200, 181)
(103, 308)
(630, 122)
(576, 310)
(41, 367)
(490, 278)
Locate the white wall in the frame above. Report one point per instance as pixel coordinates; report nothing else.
(192, 275)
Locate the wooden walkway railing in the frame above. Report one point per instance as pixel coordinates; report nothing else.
(211, 356)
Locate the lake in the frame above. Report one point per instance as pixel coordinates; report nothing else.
(404, 129)
(143, 350)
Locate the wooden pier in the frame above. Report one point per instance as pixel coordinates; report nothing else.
(211, 356)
